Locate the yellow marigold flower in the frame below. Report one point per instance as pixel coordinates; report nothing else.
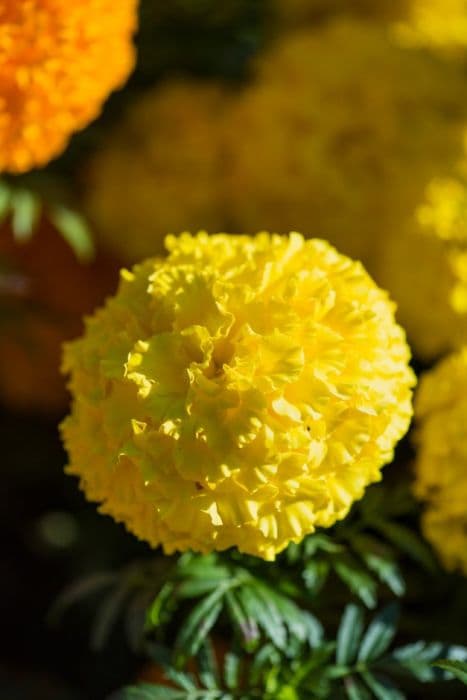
(161, 170)
(444, 216)
(444, 212)
(441, 467)
(422, 278)
(340, 133)
(240, 392)
(436, 23)
(59, 61)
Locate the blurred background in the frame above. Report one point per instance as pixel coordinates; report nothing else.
(342, 119)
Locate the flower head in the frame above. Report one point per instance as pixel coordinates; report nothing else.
(161, 170)
(441, 467)
(340, 133)
(59, 61)
(444, 216)
(436, 23)
(240, 392)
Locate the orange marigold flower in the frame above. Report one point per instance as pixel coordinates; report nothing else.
(58, 63)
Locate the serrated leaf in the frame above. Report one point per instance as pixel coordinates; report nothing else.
(183, 680)
(358, 580)
(317, 660)
(417, 658)
(355, 690)
(382, 688)
(379, 635)
(457, 668)
(408, 542)
(25, 210)
(349, 634)
(74, 229)
(242, 618)
(293, 617)
(199, 623)
(379, 559)
(260, 607)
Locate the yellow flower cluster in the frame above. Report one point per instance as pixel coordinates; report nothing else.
(59, 61)
(435, 23)
(240, 392)
(444, 216)
(340, 132)
(444, 211)
(441, 467)
(162, 171)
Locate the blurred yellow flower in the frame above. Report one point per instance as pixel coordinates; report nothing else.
(161, 170)
(59, 61)
(436, 23)
(444, 212)
(441, 466)
(340, 134)
(240, 392)
(421, 276)
(444, 216)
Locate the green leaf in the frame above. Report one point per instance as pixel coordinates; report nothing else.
(75, 230)
(315, 574)
(244, 621)
(418, 658)
(207, 664)
(147, 691)
(196, 587)
(183, 680)
(268, 656)
(382, 688)
(379, 634)
(319, 541)
(315, 631)
(380, 560)
(25, 207)
(407, 541)
(156, 609)
(296, 620)
(359, 582)
(199, 623)
(349, 634)
(81, 589)
(261, 608)
(231, 670)
(317, 660)
(355, 690)
(107, 614)
(457, 668)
